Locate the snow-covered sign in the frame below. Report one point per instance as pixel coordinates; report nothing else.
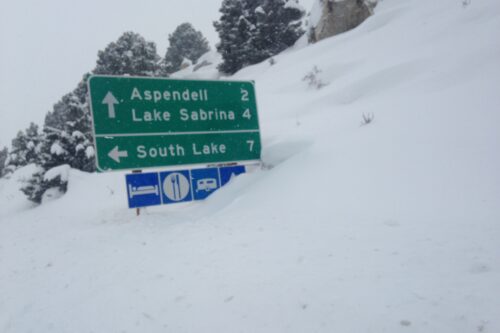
(151, 122)
(156, 188)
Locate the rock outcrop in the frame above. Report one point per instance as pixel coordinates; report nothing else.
(338, 16)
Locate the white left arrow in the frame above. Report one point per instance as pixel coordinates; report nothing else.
(110, 100)
(115, 154)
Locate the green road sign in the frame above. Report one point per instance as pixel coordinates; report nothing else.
(150, 122)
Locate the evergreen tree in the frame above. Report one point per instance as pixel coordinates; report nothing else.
(25, 148)
(131, 54)
(68, 128)
(52, 153)
(234, 31)
(38, 185)
(67, 139)
(278, 26)
(33, 188)
(67, 133)
(3, 158)
(58, 148)
(185, 43)
(253, 30)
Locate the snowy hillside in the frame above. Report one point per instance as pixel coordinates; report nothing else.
(391, 226)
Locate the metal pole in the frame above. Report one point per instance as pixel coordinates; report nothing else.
(137, 210)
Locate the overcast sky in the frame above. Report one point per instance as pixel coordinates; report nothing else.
(46, 46)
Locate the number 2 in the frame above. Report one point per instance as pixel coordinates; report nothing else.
(244, 95)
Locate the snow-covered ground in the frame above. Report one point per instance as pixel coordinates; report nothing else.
(392, 226)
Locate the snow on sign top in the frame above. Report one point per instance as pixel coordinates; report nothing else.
(149, 122)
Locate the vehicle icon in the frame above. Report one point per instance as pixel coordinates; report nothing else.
(206, 184)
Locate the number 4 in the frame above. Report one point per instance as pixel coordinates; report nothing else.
(246, 114)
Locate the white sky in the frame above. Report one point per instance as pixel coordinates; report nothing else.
(46, 46)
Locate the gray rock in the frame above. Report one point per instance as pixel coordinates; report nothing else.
(339, 16)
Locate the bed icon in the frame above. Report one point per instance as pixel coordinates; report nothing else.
(143, 190)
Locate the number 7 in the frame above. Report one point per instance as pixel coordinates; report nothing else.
(250, 144)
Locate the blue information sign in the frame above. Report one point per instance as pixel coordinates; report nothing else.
(143, 189)
(150, 189)
(204, 182)
(176, 186)
(228, 173)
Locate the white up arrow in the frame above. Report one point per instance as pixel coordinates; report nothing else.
(111, 101)
(115, 154)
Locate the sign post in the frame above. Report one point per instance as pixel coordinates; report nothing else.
(152, 122)
(138, 209)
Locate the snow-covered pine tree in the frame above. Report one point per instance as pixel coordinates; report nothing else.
(253, 30)
(235, 31)
(185, 43)
(39, 184)
(25, 148)
(52, 154)
(55, 151)
(3, 158)
(67, 140)
(67, 132)
(278, 26)
(32, 189)
(131, 54)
